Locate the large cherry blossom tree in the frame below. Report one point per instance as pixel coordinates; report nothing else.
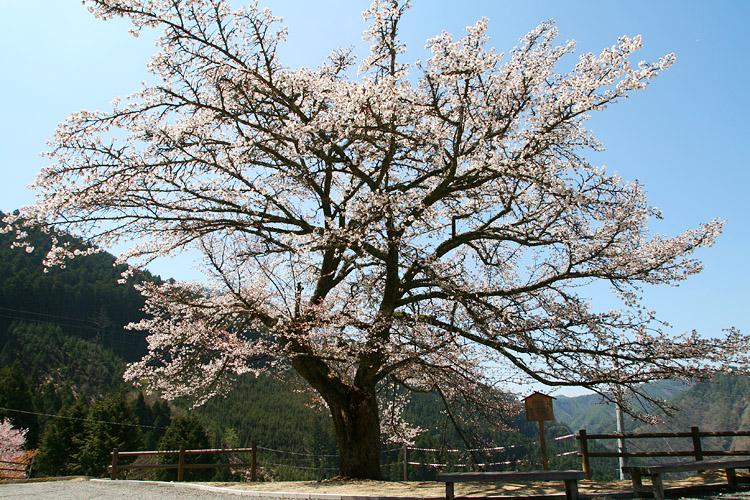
(435, 224)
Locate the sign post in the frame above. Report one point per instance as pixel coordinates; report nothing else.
(538, 408)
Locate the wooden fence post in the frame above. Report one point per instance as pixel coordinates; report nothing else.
(254, 464)
(543, 446)
(113, 472)
(697, 446)
(583, 446)
(30, 467)
(406, 464)
(181, 464)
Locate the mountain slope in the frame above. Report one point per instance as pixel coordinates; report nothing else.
(719, 404)
(83, 299)
(592, 413)
(60, 368)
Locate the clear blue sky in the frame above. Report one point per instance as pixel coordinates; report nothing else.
(684, 137)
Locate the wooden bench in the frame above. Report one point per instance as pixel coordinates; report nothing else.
(655, 473)
(569, 477)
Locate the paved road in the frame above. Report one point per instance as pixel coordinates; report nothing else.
(55, 490)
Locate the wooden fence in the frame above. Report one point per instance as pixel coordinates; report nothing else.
(584, 439)
(405, 460)
(18, 465)
(116, 467)
(695, 434)
(13, 470)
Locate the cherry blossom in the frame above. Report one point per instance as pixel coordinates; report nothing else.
(433, 223)
(12, 441)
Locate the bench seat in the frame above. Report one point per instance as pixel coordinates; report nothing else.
(569, 477)
(655, 472)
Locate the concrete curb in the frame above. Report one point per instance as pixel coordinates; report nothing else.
(280, 495)
(46, 479)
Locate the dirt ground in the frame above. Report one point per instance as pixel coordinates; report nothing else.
(431, 489)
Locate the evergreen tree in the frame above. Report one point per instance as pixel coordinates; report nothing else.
(15, 399)
(61, 442)
(145, 416)
(162, 413)
(153, 419)
(188, 433)
(110, 424)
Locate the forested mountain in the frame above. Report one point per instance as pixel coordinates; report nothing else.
(62, 340)
(83, 299)
(592, 413)
(61, 368)
(63, 350)
(722, 403)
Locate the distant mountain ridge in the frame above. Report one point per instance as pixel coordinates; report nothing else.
(722, 403)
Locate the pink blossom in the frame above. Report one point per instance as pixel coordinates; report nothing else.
(12, 441)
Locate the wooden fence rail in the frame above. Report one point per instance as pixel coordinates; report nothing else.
(405, 460)
(584, 439)
(116, 467)
(21, 465)
(14, 466)
(696, 452)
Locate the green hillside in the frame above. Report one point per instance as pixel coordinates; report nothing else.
(593, 413)
(63, 350)
(61, 368)
(719, 404)
(83, 299)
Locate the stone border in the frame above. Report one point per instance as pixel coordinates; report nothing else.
(45, 479)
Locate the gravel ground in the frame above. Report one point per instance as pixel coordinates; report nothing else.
(55, 490)
(105, 490)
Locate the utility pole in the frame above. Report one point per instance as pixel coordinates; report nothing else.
(620, 424)
(621, 440)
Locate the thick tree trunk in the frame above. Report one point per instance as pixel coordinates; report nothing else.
(357, 427)
(356, 421)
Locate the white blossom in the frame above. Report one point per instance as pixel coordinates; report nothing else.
(419, 222)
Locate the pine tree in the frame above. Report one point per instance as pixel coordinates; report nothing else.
(61, 442)
(15, 400)
(110, 424)
(188, 433)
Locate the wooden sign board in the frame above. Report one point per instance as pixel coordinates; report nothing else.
(538, 407)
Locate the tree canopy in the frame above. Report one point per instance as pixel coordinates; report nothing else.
(433, 224)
